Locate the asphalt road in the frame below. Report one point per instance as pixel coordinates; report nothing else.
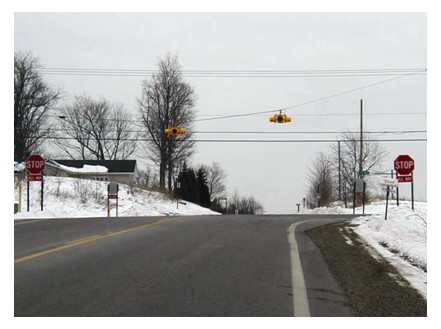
(174, 266)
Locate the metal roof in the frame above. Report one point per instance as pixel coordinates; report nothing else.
(113, 166)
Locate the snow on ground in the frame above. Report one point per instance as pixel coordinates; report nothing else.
(401, 239)
(70, 197)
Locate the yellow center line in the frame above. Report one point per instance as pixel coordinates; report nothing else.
(83, 239)
(89, 239)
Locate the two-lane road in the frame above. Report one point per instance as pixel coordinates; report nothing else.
(173, 266)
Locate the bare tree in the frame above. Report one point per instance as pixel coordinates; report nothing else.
(244, 205)
(215, 179)
(167, 101)
(147, 179)
(321, 180)
(32, 99)
(346, 161)
(95, 129)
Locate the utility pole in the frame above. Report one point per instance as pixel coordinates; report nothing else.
(360, 175)
(339, 172)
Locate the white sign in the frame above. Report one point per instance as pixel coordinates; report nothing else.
(389, 182)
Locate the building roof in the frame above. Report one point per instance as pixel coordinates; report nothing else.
(113, 166)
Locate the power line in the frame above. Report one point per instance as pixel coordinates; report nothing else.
(309, 102)
(311, 132)
(252, 140)
(277, 132)
(400, 76)
(334, 114)
(238, 73)
(296, 115)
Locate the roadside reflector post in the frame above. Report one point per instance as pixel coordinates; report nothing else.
(41, 200)
(411, 174)
(27, 195)
(364, 195)
(112, 193)
(20, 191)
(387, 201)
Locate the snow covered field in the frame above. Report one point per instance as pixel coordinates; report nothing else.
(402, 238)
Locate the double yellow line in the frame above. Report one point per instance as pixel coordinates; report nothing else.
(91, 238)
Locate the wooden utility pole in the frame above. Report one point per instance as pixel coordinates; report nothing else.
(360, 174)
(339, 172)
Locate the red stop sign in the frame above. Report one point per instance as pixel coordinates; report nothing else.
(404, 164)
(35, 164)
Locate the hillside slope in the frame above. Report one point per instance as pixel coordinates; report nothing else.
(70, 197)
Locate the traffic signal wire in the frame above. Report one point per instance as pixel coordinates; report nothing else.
(312, 101)
(251, 140)
(381, 132)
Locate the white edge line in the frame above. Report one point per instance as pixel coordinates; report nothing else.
(299, 294)
(25, 221)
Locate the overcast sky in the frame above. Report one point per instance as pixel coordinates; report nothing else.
(274, 173)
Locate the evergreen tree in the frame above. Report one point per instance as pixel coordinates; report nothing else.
(203, 192)
(187, 180)
(193, 186)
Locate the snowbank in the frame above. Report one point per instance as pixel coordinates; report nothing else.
(71, 197)
(401, 239)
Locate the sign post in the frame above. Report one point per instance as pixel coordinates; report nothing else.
(112, 193)
(388, 183)
(35, 165)
(405, 165)
(359, 191)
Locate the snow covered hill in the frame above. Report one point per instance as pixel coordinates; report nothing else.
(70, 197)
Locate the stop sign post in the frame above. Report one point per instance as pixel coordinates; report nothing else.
(405, 165)
(35, 165)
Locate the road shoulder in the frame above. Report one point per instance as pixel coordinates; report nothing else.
(373, 286)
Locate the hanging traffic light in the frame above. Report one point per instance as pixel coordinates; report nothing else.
(280, 118)
(174, 131)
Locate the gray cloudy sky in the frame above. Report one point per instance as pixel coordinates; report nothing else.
(274, 173)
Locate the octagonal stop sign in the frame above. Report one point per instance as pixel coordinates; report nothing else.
(35, 164)
(404, 164)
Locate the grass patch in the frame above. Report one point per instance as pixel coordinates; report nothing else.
(374, 287)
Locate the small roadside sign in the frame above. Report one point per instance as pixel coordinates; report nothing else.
(112, 194)
(359, 187)
(405, 179)
(112, 188)
(35, 178)
(389, 182)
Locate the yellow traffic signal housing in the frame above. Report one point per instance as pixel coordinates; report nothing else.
(175, 131)
(280, 118)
